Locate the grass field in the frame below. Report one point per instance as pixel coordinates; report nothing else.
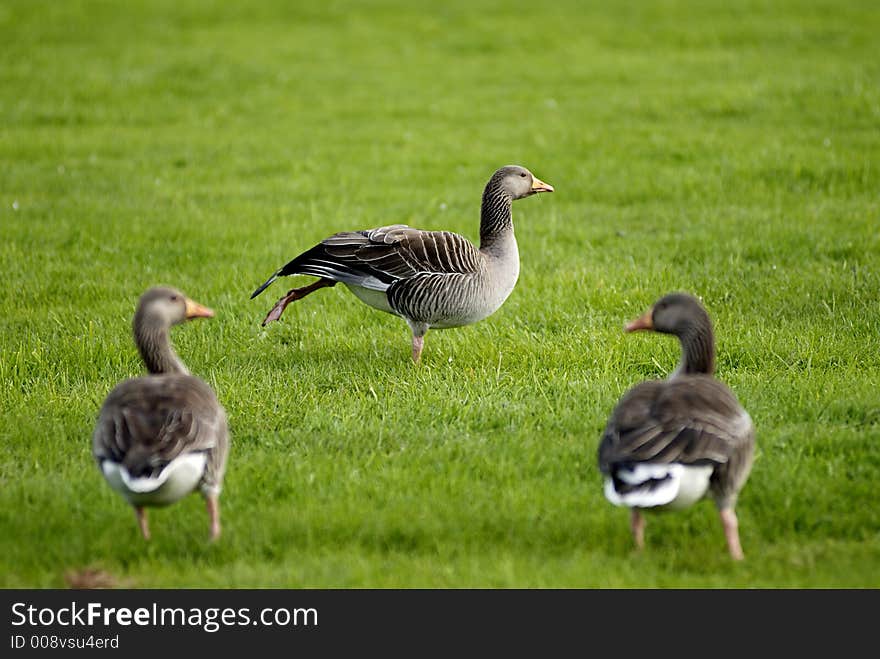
(728, 149)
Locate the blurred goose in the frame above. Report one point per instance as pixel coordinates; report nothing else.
(670, 442)
(161, 436)
(429, 278)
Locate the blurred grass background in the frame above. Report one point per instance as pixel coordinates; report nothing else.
(726, 149)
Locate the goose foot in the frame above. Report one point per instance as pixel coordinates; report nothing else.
(142, 521)
(731, 532)
(637, 524)
(213, 505)
(293, 295)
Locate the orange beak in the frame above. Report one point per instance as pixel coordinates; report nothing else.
(196, 310)
(539, 186)
(643, 322)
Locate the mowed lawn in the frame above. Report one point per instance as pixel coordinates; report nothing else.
(731, 150)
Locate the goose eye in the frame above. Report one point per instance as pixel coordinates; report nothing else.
(523, 174)
(174, 298)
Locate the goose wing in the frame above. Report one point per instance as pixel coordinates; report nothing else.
(145, 423)
(376, 258)
(688, 420)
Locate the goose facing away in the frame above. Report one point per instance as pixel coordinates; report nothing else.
(161, 436)
(671, 442)
(429, 278)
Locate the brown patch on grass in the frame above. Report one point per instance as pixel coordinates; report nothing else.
(90, 578)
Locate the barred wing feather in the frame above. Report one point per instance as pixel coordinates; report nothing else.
(694, 420)
(378, 257)
(147, 422)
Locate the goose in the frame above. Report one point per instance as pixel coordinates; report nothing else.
(670, 443)
(431, 279)
(160, 436)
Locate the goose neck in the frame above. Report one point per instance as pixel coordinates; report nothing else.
(496, 222)
(697, 352)
(154, 344)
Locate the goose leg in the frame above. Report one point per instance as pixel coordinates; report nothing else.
(213, 504)
(419, 330)
(142, 521)
(418, 343)
(637, 524)
(295, 294)
(731, 532)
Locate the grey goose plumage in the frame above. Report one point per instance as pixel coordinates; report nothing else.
(432, 279)
(669, 443)
(161, 436)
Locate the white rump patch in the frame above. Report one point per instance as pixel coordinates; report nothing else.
(672, 486)
(175, 481)
(376, 298)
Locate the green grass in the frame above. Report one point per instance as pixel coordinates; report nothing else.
(728, 149)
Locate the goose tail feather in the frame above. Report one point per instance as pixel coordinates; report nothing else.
(178, 478)
(266, 284)
(657, 485)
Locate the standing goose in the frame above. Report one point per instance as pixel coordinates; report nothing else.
(161, 436)
(429, 278)
(670, 442)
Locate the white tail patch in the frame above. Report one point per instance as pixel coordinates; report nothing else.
(175, 481)
(671, 486)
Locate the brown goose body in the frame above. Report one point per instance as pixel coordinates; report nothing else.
(670, 443)
(147, 423)
(431, 279)
(162, 436)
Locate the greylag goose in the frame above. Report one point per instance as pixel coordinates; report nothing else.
(161, 436)
(671, 442)
(429, 278)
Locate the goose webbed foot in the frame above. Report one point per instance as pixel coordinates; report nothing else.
(293, 295)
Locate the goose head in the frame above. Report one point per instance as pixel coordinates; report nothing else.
(677, 313)
(165, 306)
(517, 182)
(683, 316)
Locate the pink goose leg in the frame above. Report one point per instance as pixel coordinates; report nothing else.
(295, 294)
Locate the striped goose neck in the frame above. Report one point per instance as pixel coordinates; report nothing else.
(154, 343)
(496, 221)
(697, 351)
